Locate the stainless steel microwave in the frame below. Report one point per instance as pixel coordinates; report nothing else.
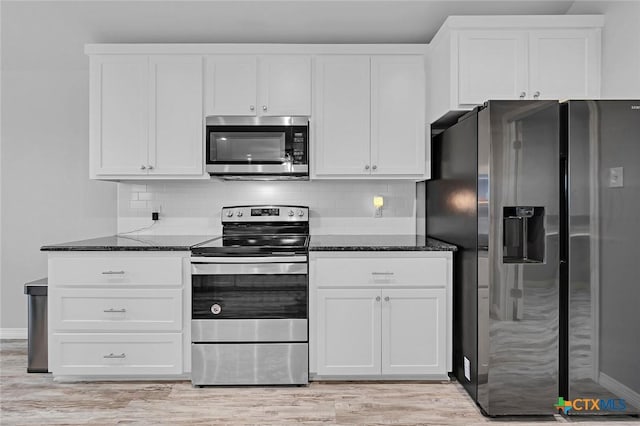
(257, 147)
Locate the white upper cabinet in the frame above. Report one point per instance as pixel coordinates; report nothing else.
(258, 85)
(341, 115)
(146, 116)
(564, 64)
(118, 120)
(492, 65)
(368, 116)
(474, 59)
(397, 115)
(284, 85)
(176, 120)
(230, 82)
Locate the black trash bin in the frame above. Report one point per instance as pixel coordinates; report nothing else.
(37, 357)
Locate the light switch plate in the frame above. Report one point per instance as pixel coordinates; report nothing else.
(616, 177)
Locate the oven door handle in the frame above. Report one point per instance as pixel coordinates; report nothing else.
(248, 268)
(248, 259)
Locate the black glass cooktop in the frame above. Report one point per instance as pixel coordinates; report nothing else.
(254, 244)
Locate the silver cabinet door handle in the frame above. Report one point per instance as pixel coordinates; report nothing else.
(143, 167)
(113, 310)
(523, 94)
(366, 167)
(113, 273)
(252, 107)
(536, 95)
(377, 298)
(264, 107)
(382, 273)
(375, 167)
(114, 356)
(150, 167)
(386, 298)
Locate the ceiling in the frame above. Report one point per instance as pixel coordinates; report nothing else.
(268, 21)
(52, 33)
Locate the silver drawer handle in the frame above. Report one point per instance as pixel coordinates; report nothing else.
(112, 272)
(113, 310)
(382, 273)
(386, 298)
(114, 356)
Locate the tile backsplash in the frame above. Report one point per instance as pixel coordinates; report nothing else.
(337, 207)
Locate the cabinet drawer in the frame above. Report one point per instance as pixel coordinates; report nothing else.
(116, 309)
(157, 271)
(116, 354)
(352, 271)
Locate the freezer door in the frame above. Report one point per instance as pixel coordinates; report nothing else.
(603, 267)
(518, 274)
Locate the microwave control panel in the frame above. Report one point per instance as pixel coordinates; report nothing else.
(299, 145)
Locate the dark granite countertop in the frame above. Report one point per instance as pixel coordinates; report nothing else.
(377, 243)
(133, 243)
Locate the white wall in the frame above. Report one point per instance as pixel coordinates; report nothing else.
(620, 45)
(46, 194)
(336, 207)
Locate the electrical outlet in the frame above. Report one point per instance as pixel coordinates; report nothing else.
(378, 212)
(616, 177)
(155, 216)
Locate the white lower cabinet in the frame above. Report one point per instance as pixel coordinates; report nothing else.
(348, 331)
(414, 331)
(126, 354)
(119, 314)
(398, 326)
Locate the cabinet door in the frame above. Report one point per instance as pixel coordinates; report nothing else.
(492, 65)
(348, 339)
(118, 116)
(230, 85)
(284, 84)
(176, 120)
(414, 331)
(564, 64)
(341, 116)
(397, 115)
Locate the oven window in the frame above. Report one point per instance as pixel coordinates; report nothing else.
(250, 296)
(247, 147)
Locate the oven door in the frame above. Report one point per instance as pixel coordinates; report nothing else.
(250, 300)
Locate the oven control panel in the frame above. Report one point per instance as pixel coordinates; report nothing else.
(265, 214)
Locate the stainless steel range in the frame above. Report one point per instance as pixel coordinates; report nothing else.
(250, 299)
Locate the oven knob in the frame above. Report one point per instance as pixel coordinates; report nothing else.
(291, 213)
(229, 213)
(239, 214)
(300, 213)
(215, 309)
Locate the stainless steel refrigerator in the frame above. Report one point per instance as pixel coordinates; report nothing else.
(543, 200)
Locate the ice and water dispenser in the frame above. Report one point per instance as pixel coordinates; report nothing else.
(523, 234)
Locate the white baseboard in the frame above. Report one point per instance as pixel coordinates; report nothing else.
(629, 395)
(13, 333)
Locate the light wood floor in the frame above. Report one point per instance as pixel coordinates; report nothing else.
(35, 399)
